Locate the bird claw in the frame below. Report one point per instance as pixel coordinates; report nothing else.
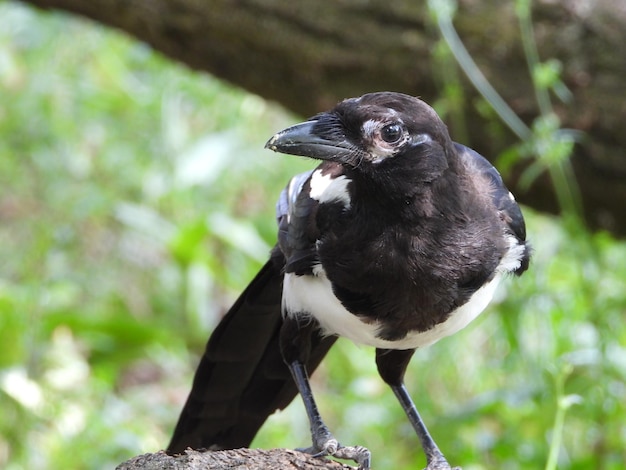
(330, 447)
(359, 454)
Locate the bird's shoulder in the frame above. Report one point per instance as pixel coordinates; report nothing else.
(307, 205)
(501, 197)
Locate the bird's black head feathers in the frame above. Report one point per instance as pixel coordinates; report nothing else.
(369, 131)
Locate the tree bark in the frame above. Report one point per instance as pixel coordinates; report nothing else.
(236, 459)
(307, 55)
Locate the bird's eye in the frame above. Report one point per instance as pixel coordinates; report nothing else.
(391, 133)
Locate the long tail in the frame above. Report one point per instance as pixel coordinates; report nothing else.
(242, 378)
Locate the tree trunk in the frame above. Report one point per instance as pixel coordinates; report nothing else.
(237, 459)
(307, 55)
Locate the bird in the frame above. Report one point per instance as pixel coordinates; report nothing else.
(398, 238)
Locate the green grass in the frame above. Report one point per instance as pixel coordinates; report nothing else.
(122, 175)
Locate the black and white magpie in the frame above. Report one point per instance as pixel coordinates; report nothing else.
(396, 240)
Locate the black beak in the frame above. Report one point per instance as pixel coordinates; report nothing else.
(307, 139)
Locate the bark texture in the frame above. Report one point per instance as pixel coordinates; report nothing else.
(309, 54)
(236, 459)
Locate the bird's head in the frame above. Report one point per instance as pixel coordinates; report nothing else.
(371, 133)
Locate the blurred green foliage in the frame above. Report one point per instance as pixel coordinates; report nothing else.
(136, 201)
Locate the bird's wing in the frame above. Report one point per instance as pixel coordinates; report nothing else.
(296, 214)
(502, 198)
(241, 378)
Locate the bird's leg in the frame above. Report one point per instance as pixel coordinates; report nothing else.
(295, 346)
(391, 367)
(434, 458)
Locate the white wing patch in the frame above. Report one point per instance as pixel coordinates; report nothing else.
(512, 259)
(325, 188)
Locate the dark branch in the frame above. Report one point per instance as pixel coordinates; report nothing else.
(308, 55)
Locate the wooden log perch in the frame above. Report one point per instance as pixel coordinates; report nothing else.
(236, 459)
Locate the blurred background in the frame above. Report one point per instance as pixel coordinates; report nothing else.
(136, 202)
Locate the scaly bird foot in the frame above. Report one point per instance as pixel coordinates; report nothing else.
(326, 445)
